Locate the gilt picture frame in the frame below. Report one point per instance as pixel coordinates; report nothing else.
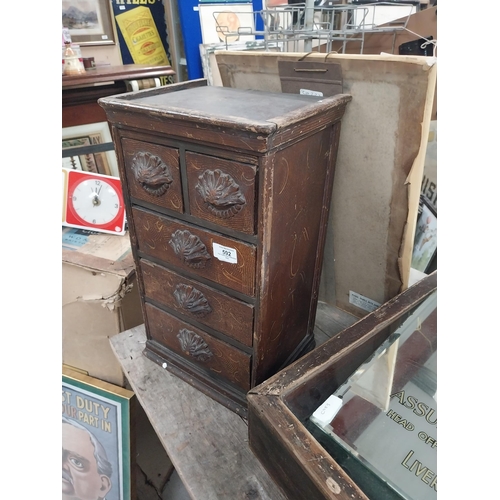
(97, 437)
(89, 21)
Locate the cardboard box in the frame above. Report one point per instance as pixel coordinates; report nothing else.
(100, 298)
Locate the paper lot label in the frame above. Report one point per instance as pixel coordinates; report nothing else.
(362, 302)
(225, 254)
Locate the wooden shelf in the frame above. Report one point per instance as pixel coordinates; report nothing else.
(113, 73)
(81, 92)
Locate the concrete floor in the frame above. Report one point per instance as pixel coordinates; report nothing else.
(175, 489)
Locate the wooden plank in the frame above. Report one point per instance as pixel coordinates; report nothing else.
(207, 443)
(331, 320)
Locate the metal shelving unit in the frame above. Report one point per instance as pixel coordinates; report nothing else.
(301, 27)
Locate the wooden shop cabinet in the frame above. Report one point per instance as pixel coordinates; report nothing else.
(227, 194)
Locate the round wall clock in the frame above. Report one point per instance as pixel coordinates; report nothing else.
(94, 202)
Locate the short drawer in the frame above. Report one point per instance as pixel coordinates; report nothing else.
(199, 347)
(196, 250)
(204, 304)
(153, 173)
(222, 191)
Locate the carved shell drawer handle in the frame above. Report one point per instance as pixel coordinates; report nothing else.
(189, 248)
(151, 173)
(220, 193)
(193, 345)
(192, 300)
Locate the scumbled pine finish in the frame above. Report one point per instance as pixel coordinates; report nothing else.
(227, 195)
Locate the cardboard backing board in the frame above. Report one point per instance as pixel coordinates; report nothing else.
(379, 168)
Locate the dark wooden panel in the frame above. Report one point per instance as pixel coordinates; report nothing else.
(158, 235)
(82, 114)
(295, 206)
(199, 302)
(222, 191)
(153, 173)
(199, 347)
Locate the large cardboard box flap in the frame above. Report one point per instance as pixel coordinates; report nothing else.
(99, 299)
(379, 167)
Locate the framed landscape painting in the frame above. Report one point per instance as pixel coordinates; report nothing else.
(97, 442)
(89, 21)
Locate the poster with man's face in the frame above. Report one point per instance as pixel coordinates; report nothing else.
(93, 451)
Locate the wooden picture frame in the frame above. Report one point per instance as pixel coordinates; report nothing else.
(279, 408)
(425, 241)
(97, 438)
(89, 22)
(104, 163)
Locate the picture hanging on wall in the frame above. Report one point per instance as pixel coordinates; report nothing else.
(89, 21)
(227, 23)
(97, 442)
(425, 242)
(87, 135)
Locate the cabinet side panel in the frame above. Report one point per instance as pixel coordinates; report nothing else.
(294, 183)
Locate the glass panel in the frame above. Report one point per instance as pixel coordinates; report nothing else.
(381, 424)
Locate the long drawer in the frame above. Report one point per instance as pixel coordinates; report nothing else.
(199, 347)
(196, 301)
(196, 250)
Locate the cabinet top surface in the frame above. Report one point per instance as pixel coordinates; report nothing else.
(222, 104)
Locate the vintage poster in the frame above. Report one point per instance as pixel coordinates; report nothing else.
(96, 439)
(142, 32)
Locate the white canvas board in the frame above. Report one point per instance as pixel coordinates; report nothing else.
(227, 23)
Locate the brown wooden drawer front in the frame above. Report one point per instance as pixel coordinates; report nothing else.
(222, 191)
(202, 303)
(191, 248)
(199, 347)
(153, 173)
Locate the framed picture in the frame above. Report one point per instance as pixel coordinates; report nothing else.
(280, 410)
(97, 442)
(88, 135)
(425, 242)
(227, 23)
(89, 21)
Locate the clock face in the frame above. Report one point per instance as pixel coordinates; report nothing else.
(95, 202)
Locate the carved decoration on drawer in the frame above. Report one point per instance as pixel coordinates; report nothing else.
(220, 193)
(189, 248)
(151, 173)
(192, 300)
(193, 345)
